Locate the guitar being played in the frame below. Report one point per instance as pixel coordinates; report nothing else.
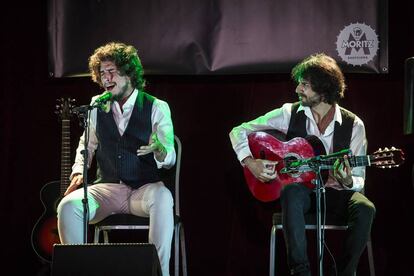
(292, 162)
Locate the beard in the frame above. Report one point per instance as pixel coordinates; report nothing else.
(124, 90)
(310, 101)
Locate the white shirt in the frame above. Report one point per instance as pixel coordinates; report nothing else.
(160, 115)
(279, 119)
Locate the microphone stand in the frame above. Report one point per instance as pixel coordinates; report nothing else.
(316, 164)
(83, 113)
(319, 190)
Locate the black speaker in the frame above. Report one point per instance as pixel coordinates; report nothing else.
(105, 259)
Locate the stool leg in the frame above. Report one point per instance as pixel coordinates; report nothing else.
(183, 250)
(370, 257)
(106, 239)
(272, 251)
(96, 235)
(176, 249)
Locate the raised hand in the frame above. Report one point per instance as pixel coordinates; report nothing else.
(154, 145)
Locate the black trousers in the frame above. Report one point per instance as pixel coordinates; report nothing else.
(353, 207)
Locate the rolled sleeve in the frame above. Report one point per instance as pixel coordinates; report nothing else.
(161, 117)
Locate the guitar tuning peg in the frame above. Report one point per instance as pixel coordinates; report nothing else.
(386, 149)
(393, 148)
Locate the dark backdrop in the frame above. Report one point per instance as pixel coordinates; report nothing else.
(215, 37)
(227, 230)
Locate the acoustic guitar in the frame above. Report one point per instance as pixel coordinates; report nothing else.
(45, 233)
(297, 158)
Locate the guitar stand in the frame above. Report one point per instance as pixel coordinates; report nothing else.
(319, 189)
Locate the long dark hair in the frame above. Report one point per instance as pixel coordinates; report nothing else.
(324, 75)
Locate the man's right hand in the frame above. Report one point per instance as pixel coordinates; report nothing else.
(264, 170)
(77, 179)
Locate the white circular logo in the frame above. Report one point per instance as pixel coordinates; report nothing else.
(357, 44)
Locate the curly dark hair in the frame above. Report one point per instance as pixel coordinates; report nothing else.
(125, 58)
(324, 75)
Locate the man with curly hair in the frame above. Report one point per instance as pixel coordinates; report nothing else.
(132, 139)
(320, 85)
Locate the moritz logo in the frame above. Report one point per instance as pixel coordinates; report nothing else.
(357, 44)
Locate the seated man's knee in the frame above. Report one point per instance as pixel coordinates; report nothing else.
(163, 196)
(291, 190)
(68, 206)
(366, 209)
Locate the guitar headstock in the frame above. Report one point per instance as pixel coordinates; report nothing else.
(387, 158)
(64, 108)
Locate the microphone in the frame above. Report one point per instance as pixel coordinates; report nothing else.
(336, 154)
(297, 165)
(107, 96)
(294, 165)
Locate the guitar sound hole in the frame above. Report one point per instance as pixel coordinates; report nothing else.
(262, 155)
(288, 160)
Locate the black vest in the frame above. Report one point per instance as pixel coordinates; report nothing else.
(116, 155)
(342, 133)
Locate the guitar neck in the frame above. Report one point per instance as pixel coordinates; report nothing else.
(354, 161)
(65, 165)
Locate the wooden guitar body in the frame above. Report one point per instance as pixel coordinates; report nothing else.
(267, 147)
(45, 233)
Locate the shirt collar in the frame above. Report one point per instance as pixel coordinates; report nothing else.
(128, 105)
(308, 113)
(338, 114)
(131, 100)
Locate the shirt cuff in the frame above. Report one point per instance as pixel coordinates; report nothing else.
(243, 154)
(358, 183)
(167, 161)
(76, 170)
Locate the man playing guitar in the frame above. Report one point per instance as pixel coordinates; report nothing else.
(320, 85)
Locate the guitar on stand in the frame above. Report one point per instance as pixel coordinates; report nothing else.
(296, 158)
(45, 233)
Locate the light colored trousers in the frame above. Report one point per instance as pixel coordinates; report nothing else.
(152, 200)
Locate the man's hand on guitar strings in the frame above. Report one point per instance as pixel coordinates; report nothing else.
(264, 170)
(342, 172)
